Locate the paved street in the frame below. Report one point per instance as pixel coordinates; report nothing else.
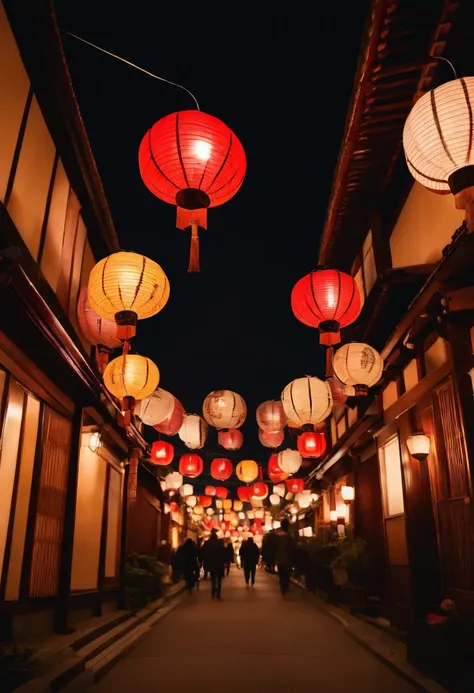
(251, 641)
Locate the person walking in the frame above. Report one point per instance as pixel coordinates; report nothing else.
(284, 556)
(249, 555)
(229, 556)
(187, 558)
(214, 562)
(202, 553)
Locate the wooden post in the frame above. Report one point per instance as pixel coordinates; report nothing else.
(123, 539)
(103, 544)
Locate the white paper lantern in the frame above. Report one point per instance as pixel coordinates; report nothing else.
(224, 409)
(359, 365)
(193, 431)
(276, 524)
(241, 515)
(259, 514)
(303, 500)
(250, 514)
(268, 527)
(289, 461)
(210, 511)
(307, 531)
(307, 400)
(156, 408)
(199, 510)
(166, 509)
(294, 510)
(438, 136)
(271, 416)
(219, 503)
(186, 490)
(275, 499)
(191, 501)
(173, 481)
(280, 490)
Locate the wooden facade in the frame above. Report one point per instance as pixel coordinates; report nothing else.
(413, 260)
(63, 503)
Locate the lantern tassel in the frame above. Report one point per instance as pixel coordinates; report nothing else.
(329, 357)
(194, 249)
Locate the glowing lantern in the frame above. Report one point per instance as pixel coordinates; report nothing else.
(359, 365)
(186, 490)
(418, 445)
(250, 514)
(303, 499)
(311, 444)
(328, 300)
(219, 503)
(96, 330)
(156, 408)
(275, 499)
(256, 529)
(231, 439)
(221, 469)
(238, 505)
(259, 490)
(275, 471)
(221, 492)
(161, 452)
(191, 465)
(130, 377)
(210, 511)
(199, 510)
(339, 391)
(294, 485)
(174, 507)
(193, 431)
(247, 471)
(194, 161)
(171, 425)
(173, 481)
(307, 400)
(271, 417)
(272, 439)
(224, 409)
(243, 493)
(289, 461)
(227, 504)
(348, 494)
(205, 501)
(210, 490)
(280, 490)
(208, 522)
(127, 287)
(191, 501)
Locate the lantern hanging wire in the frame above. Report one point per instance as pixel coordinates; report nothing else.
(440, 57)
(137, 67)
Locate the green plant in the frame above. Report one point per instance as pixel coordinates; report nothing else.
(16, 667)
(144, 580)
(353, 555)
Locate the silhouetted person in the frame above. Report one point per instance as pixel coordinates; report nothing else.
(214, 562)
(187, 559)
(229, 556)
(202, 552)
(249, 555)
(284, 555)
(269, 545)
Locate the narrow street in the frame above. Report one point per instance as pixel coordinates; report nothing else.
(252, 640)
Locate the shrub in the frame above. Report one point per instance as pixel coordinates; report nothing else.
(145, 579)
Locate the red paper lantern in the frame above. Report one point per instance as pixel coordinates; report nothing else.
(171, 425)
(174, 507)
(221, 468)
(191, 465)
(234, 533)
(256, 529)
(311, 444)
(205, 501)
(259, 490)
(194, 161)
(221, 492)
(294, 485)
(208, 522)
(245, 528)
(210, 490)
(96, 330)
(161, 452)
(272, 439)
(243, 493)
(328, 300)
(275, 473)
(231, 439)
(338, 390)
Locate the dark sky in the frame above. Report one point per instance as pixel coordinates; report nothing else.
(282, 82)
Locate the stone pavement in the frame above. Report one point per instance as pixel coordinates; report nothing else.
(253, 641)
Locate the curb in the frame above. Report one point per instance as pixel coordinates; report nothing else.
(80, 669)
(393, 655)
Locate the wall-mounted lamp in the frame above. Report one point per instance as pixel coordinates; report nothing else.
(418, 445)
(333, 516)
(348, 494)
(95, 441)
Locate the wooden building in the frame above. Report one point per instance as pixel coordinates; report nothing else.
(413, 261)
(63, 455)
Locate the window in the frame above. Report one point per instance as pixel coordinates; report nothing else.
(391, 474)
(50, 259)
(365, 271)
(435, 355)
(410, 375)
(390, 394)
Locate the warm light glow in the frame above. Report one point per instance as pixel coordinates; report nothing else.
(127, 281)
(294, 510)
(162, 452)
(247, 471)
(303, 500)
(271, 417)
(221, 468)
(271, 439)
(224, 409)
(210, 511)
(166, 508)
(95, 329)
(276, 524)
(241, 515)
(275, 499)
(186, 490)
(171, 425)
(131, 375)
(307, 531)
(238, 505)
(359, 365)
(280, 490)
(311, 444)
(202, 150)
(191, 501)
(231, 439)
(95, 441)
(419, 445)
(314, 497)
(219, 503)
(156, 408)
(191, 465)
(173, 481)
(333, 515)
(347, 493)
(193, 431)
(307, 400)
(289, 461)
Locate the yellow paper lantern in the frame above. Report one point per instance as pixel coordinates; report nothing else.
(307, 400)
(247, 471)
(359, 365)
(127, 287)
(224, 409)
(238, 505)
(130, 377)
(227, 504)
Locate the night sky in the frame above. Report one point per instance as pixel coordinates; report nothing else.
(282, 83)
